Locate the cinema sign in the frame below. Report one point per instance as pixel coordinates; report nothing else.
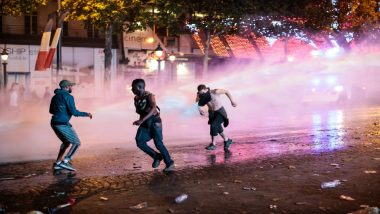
(140, 40)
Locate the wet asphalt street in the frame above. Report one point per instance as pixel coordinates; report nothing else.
(117, 173)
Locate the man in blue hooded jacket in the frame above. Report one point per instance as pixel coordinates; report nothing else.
(62, 107)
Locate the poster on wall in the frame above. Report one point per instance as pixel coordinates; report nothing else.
(137, 59)
(21, 58)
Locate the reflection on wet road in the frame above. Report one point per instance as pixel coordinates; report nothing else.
(328, 130)
(325, 132)
(319, 131)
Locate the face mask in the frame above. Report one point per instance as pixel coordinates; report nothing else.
(204, 98)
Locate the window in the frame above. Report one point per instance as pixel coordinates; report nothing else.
(30, 25)
(92, 32)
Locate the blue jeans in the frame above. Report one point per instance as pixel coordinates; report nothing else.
(153, 131)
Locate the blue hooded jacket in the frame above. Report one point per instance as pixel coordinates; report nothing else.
(62, 106)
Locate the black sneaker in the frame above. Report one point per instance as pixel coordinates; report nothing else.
(211, 147)
(227, 144)
(67, 166)
(157, 161)
(169, 168)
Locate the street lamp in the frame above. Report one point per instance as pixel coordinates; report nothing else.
(172, 59)
(159, 51)
(4, 58)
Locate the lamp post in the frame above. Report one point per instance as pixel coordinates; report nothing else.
(172, 73)
(159, 51)
(4, 58)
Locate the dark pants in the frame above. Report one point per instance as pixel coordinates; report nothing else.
(153, 131)
(215, 120)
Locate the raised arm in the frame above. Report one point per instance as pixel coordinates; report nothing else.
(227, 93)
(197, 98)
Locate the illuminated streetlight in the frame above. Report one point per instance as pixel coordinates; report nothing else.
(4, 58)
(172, 59)
(291, 58)
(158, 52)
(150, 40)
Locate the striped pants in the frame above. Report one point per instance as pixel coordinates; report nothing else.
(68, 136)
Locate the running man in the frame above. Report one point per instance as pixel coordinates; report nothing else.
(216, 113)
(150, 126)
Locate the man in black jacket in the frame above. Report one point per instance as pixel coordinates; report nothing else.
(62, 107)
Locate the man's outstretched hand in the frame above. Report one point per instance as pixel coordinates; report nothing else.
(89, 115)
(137, 122)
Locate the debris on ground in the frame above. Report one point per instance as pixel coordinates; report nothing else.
(291, 167)
(35, 212)
(220, 185)
(55, 209)
(103, 198)
(336, 165)
(7, 178)
(376, 158)
(276, 199)
(238, 181)
(347, 198)
(170, 210)
(181, 198)
(30, 175)
(368, 210)
(273, 206)
(226, 193)
(330, 184)
(249, 188)
(59, 194)
(139, 206)
(370, 171)
(301, 203)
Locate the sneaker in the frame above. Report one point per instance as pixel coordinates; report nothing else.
(210, 147)
(67, 166)
(169, 168)
(156, 162)
(227, 144)
(56, 166)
